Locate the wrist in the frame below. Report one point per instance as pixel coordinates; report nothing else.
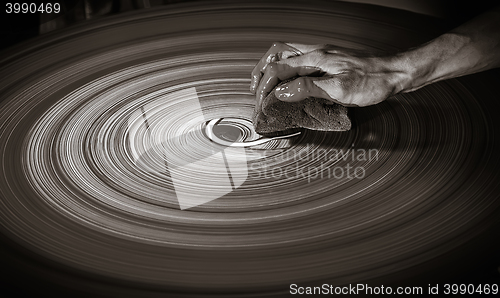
(409, 70)
(399, 71)
(439, 59)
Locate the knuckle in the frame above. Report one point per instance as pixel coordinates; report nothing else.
(319, 52)
(302, 84)
(272, 58)
(272, 68)
(318, 55)
(300, 81)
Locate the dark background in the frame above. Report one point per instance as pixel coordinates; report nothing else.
(18, 27)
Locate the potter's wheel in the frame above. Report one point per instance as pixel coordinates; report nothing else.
(102, 133)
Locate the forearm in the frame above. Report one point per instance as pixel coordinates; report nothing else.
(470, 48)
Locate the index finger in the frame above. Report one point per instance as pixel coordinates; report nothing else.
(277, 52)
(280, 71)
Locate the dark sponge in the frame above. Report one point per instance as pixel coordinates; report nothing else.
(312, 113)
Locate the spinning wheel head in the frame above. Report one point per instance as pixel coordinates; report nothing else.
(102, 132)
(228, 132)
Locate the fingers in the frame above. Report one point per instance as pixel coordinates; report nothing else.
(329, 88)
(260, 68)
(280, 71)
(300, 89)
(277, 52)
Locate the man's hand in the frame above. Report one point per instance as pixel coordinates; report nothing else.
(344, 76)
(352, 78)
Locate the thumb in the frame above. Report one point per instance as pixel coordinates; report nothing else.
(302, 88)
